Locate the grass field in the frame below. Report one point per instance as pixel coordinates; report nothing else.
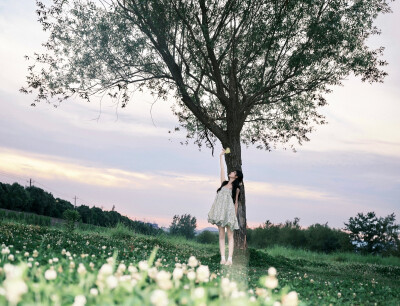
(42, 265)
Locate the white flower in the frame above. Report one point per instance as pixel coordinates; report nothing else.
(159, 298)
(5, 251)
(55, 259)
(132, 269)
(192, 261)
(105, 269)
(177, 274)
(272, 271)
(271, 282)
(26, 254)
(30, 259)
(50, 261)
(79, 300)
(191, 275)
(11, 257)
(152, 272)
(91, 265)
(81, 269)
(14, 286)
(63, 251)
(203, 273)
(35, 253)
(121, 268)
(112, 282)
(50, 274)
(110, 260)
(71, 264)
(290, 299)
(339, 295)
(103, 247)
(252, 299)
(199, 293)
(143, 265)
(163, 279)
(94, 291)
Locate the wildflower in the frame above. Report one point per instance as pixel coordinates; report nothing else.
(271, 282)
(63, 251)
(290, 299)
(191, 275)
(192, 261)
(94, 291)
(339, 295)
(26, 254)
(311, 280)
(132, 269)
(163, 279)
(50, 274)
(110, 260)
(272, 271)
(35, 253)
(152, 272)
(159, 298)
(177, 274)
(11, 257)
(203, 273)
(121, 268)
(143, 265)
(199, 293)
(81, 269)
(103, 247)
(106, 269)
(79, 300)
(252, 299)
(91, 265)
(5, 251)
(14, 286)
(112, 281)
(72, 265)
(55, 259)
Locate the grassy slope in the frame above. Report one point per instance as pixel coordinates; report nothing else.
(317, 278)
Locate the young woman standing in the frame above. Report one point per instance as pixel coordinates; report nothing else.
(223, 212)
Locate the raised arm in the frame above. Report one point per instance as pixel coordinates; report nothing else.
(221, 161)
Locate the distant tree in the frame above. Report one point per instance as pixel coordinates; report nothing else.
(184, 225)
(71, 216)
(43, 203)
(18, 198)
(85, 213)
(372, 234)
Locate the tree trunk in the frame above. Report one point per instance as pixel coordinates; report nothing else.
(234, 162)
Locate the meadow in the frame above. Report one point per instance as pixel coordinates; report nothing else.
(47, 266)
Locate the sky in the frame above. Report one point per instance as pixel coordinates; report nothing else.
(125, 157)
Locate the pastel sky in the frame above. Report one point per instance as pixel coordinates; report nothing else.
(126, 158)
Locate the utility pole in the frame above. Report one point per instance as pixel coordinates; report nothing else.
(75, 202)
(30, 182)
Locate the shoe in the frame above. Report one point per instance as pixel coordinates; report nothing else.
(228, 262)
(223, 261)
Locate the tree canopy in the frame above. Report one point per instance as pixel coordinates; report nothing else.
(248, 70)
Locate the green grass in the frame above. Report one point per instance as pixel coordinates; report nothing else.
(333, 257)
(320, 279)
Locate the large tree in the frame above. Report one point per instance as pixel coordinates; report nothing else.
(241, 71)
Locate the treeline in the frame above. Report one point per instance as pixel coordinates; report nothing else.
(36, 200)
(317, 237)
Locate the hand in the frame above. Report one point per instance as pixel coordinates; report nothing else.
(223, 152)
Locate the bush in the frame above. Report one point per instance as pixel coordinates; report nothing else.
(121, 231)
(207, 237)
(71, 216)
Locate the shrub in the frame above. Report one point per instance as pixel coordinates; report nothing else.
(71, 216)
(207, 237)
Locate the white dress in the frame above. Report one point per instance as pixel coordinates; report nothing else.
(222, 211)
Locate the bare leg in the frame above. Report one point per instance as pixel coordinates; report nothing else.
(222, 241)
(230, 242)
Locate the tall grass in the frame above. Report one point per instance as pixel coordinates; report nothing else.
(332, 257)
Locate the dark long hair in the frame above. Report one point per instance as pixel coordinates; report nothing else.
(235, 184)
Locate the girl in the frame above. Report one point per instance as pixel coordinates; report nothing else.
(224, 209)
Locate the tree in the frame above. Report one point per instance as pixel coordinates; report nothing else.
(248, 72)
(372, 234)
(71, 216)
(184, 225)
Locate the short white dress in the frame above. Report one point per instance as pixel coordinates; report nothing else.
(222, 211)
